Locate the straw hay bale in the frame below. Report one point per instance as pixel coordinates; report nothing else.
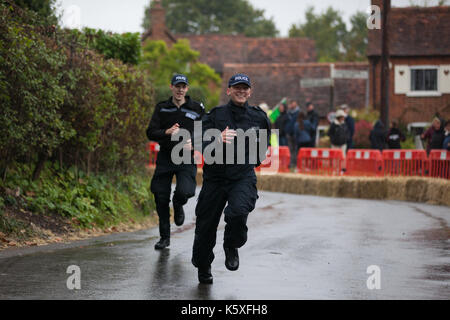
(346, 188)
(396, 188)
(416, 189)
(438, 192)
(370, 188)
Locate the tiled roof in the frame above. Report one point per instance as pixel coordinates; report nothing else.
(216, 50)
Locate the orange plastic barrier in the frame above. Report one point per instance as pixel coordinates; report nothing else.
(278, 158)
(153, 148)
(364, 163)
(440, 164)
(320, 161)
(405, 163)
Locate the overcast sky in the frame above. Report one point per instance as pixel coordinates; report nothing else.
(126, 16)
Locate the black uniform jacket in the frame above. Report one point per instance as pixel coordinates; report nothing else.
(236, 117)
(166, 115)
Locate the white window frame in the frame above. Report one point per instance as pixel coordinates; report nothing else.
(434, 93)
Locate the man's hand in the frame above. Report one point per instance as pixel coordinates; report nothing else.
(228, 135)
(173, 130)
(188, 146)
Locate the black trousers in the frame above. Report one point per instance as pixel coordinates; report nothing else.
(161, 187)
(241, 196)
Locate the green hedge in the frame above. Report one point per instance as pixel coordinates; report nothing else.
(62, 101)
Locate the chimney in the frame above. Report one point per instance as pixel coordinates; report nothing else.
(158, 29)
(158, 20)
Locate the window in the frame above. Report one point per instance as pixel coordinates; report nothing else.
(424, 79)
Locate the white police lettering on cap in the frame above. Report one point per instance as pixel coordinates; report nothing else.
(180, 78)
(241, 78)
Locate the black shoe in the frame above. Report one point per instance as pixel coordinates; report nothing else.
(231, 259)
(163, 243)
(205, 276)
(178, 214)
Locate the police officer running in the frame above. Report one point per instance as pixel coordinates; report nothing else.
(180, 111)
(228, 184)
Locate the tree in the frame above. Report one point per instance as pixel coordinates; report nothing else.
(327, 29)
(214, 16)
(357, 38)
(162, 62)
(333, 41)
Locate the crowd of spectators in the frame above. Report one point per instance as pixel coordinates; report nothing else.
(298, 128)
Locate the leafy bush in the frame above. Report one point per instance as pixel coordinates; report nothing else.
(31, 92)
(2, 204)
(369, 115)
(125, 47)
(60, 100)
(85, 113)
(409, 143)
(162, 62)
(100, 200)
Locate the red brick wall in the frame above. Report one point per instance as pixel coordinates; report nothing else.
(271, 82)
(217, 49)
(410, 109)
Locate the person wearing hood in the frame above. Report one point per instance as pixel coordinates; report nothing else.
(338, 132)
(446, 144)
(350, 121)
(434, 135)
(292, 115)
(302, 131)
(394, 136)
(280, 124)
(377, 136)
(313, 117)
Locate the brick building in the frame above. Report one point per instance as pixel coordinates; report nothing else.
(326, 84)
(419, 63)
(278, 67)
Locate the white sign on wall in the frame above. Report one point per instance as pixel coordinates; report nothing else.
(316, 83)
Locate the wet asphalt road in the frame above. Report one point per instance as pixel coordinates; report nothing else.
(300, 247)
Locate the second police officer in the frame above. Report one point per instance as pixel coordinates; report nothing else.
(228, 188)
(178, 112)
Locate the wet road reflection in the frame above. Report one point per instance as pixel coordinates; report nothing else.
(300, 247)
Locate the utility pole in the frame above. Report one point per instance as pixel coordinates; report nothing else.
(384, 87)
